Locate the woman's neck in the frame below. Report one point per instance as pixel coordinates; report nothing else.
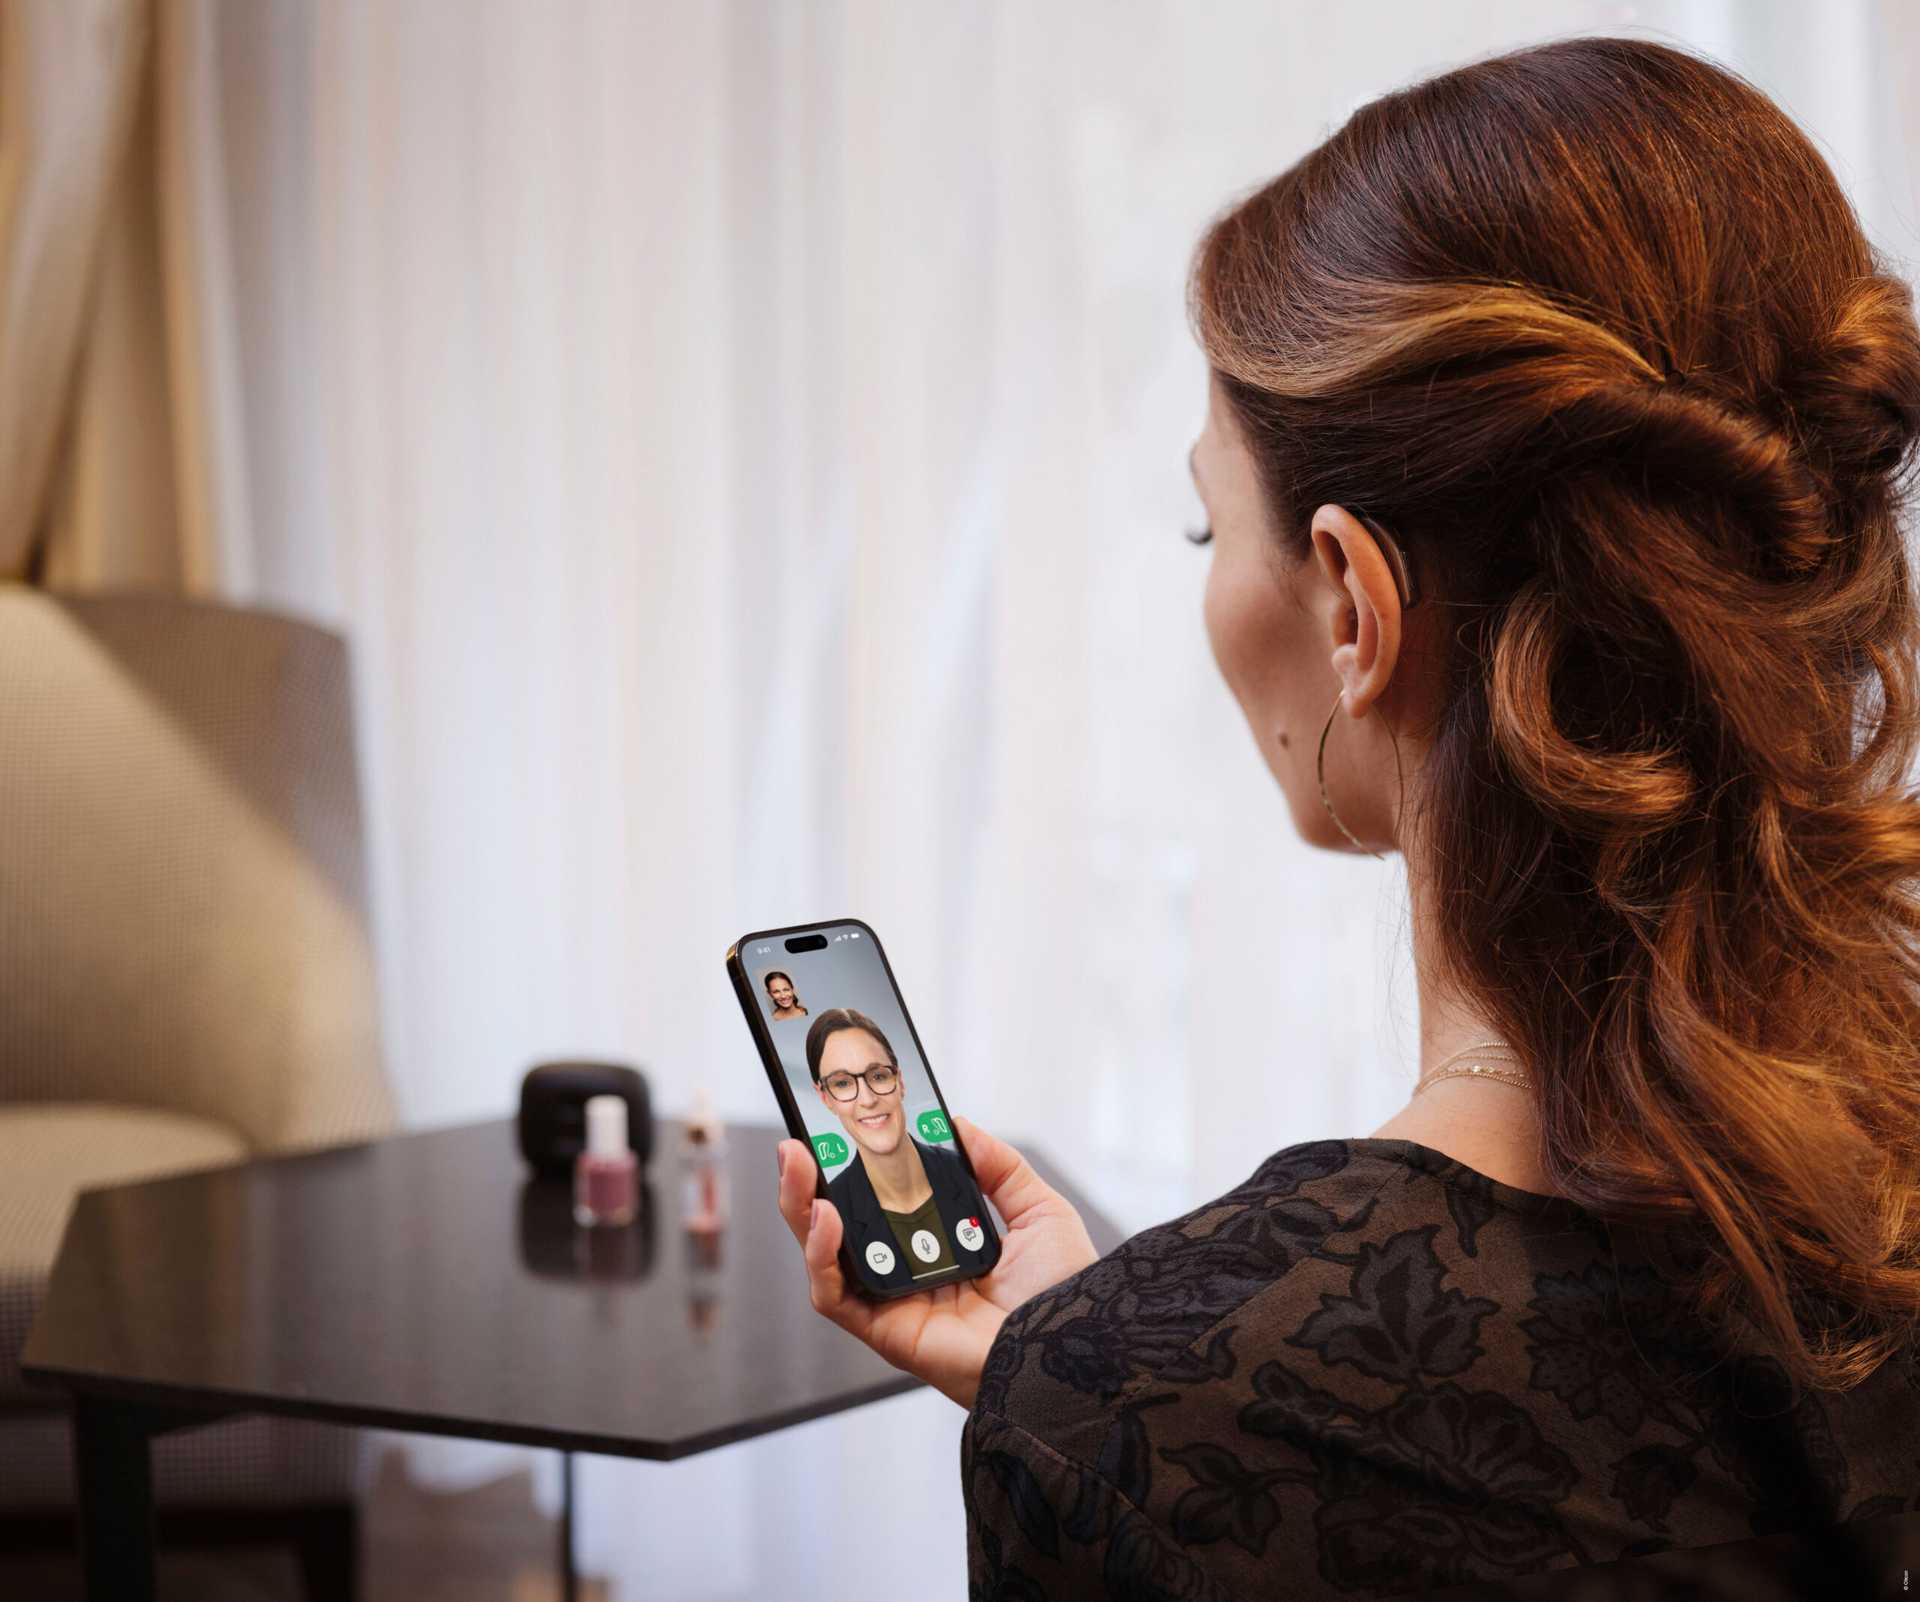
(1449, 1023)
(1489, 1126)
(899, 1179)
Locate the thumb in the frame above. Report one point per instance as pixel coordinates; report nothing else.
(823, 1236)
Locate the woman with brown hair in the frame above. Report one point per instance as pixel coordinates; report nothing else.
(1560, 420)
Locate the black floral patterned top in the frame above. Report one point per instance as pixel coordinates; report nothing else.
(1370, 1369)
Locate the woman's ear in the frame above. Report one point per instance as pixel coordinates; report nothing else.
(1360, 606)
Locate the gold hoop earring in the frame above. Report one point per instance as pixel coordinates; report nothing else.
(1320, 767)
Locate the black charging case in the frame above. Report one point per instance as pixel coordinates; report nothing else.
(553, 1111)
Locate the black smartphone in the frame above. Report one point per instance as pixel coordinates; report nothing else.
(852, 1080)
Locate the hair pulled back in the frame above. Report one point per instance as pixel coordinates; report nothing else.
(831, 1022)
(1592, 328)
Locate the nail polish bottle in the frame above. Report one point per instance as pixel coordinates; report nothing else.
(606, 1182)
(704, 1163)
(703, 1210)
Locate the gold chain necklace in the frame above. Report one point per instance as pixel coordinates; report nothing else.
(1480, 1069)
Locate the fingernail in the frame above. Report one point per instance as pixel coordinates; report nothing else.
(813, 1219)
(780, 1161)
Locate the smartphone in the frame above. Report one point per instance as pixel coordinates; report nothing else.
(853, 1082)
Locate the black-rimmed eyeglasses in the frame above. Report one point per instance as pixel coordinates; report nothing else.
(881, 1080)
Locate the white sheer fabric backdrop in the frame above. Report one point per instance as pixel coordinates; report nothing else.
(746, 444)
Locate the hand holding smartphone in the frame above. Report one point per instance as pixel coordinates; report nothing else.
(885, 1189)
(846, 1067)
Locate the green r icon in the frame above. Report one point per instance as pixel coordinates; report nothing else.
(933, 1125)
(831, 1150)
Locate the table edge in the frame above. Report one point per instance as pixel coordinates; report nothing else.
(210, 1403)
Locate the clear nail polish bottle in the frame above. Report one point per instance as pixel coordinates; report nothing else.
(704, 1161)
(606, 1182)
(703, 1210)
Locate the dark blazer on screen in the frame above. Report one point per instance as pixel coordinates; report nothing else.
(955, 1197)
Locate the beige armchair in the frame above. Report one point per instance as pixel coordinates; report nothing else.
(186, 979)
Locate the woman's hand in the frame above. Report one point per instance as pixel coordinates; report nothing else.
(942, 1335)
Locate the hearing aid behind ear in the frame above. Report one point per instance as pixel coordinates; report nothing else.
(1397, 560)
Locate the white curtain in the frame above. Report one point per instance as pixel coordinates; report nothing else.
(746, 445)
(122, 457)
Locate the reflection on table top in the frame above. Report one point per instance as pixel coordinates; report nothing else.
(427, 1282)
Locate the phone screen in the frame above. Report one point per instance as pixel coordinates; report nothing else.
(912, 1211)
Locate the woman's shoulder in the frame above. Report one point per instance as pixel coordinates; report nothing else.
(1181, 1303)
(851, 1167)
(941, 1152)
(1169, 1305)
(1127, 1377)
(1315, 1373)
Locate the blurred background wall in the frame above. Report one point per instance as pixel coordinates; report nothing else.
(745, 444)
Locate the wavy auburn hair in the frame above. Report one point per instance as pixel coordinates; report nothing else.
(1592, 328)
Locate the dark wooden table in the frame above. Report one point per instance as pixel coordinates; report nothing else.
(426, 1283)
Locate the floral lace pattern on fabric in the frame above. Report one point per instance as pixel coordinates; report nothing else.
(1370, 1369)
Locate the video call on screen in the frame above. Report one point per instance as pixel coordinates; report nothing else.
(911, 1210)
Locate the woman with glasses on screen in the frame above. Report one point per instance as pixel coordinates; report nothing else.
(1560, 425)
(903, 1202)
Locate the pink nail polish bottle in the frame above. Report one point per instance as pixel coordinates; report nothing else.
(606, 1183)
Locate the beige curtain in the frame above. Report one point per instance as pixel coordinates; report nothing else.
(120, 447)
